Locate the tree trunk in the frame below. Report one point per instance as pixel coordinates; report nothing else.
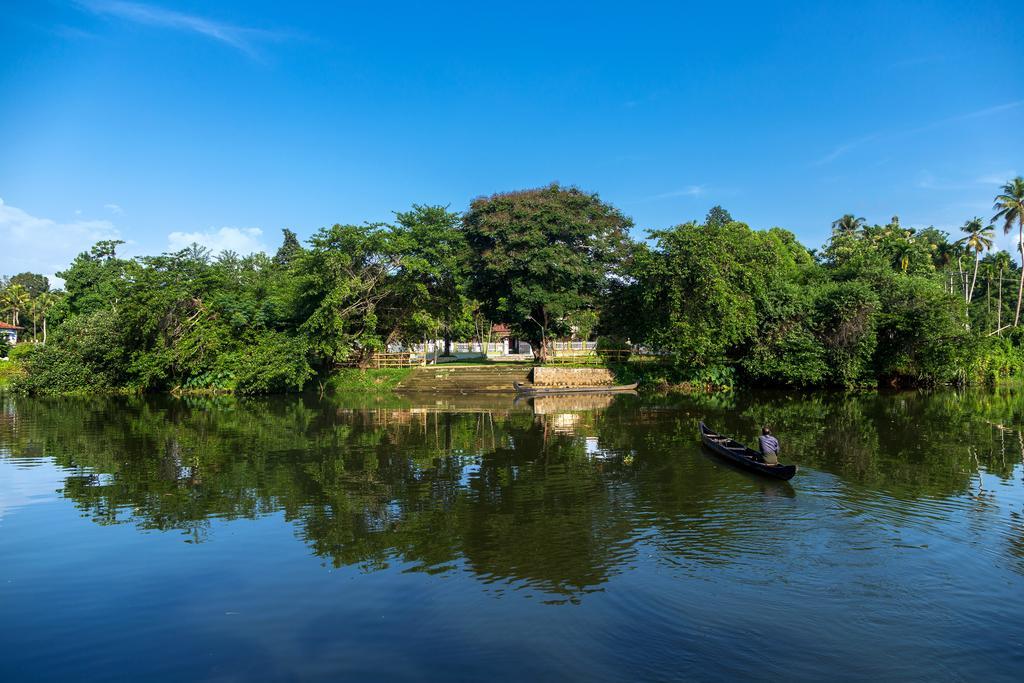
(1020, 287)
(988, 293)
(44, 330)
(960, 269)
(974, 278)
(999, 307)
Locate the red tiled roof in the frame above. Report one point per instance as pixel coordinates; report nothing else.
(5, 326)
(500, 328)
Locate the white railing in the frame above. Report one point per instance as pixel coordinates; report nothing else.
(574, 345)
(437, 346)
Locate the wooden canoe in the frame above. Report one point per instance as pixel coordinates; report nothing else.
(744, 457)
(526, 390)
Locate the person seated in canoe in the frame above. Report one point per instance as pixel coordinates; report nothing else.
(769, 447)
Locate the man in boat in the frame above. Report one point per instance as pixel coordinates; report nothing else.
(769, 447)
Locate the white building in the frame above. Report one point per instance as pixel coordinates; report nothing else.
(9, 331)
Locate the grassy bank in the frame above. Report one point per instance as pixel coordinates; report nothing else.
(354, 379)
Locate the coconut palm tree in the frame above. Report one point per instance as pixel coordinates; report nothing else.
(902, 253)
(44, 302)
(979, 238)
(15, 300)
(848, 224)
(1009, 207)
(943, 255)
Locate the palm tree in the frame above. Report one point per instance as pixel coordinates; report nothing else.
(979, 238)
(902, 253)
(942, 256)
(15, 300)
(1009, 207)
(848, 224)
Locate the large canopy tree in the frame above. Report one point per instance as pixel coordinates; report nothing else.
(541, 257)
(433, 274)
(346, 274)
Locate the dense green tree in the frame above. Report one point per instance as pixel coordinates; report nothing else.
(541, 256)
(94, 280)
(702, 287)
(289, 250)
(34, 283)
(435, 269)
(717, 217)
(345, 279)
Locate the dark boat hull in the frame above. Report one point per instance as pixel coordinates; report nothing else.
(741, 456)
(524, 390)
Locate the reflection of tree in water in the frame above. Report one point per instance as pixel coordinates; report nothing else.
(517, 497)
(504, 492)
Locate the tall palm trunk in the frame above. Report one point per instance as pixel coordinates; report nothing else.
(988, 292)
(1020, 288)
(999, 308)
(974, 278)
(960, 269)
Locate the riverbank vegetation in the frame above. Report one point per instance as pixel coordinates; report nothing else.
(717, 301)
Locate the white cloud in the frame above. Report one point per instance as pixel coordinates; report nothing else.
(241, 240)
(114, 208)
(688, 191)
(43, 245)
(239, 37)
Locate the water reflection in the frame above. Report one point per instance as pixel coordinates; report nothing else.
(556, 494)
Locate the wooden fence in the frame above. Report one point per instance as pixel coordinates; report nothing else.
(402, 359)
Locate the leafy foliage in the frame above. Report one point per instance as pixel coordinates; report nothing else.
(540, 257)
(714, 302)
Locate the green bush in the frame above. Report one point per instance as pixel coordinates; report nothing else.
(276, 363)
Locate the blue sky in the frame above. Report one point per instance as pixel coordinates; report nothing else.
(163, 122)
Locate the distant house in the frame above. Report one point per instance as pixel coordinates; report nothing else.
(9, 331)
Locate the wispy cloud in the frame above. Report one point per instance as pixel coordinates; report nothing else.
(114, 208)
(927, 181)
(960, 118)
(998, 178)
(43, 245)
(688, 191)
(241, 38)
(241, 240)
(842, 149)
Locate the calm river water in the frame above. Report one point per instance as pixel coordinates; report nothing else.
(481, 539)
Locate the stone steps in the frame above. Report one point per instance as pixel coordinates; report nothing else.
(463, 379)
